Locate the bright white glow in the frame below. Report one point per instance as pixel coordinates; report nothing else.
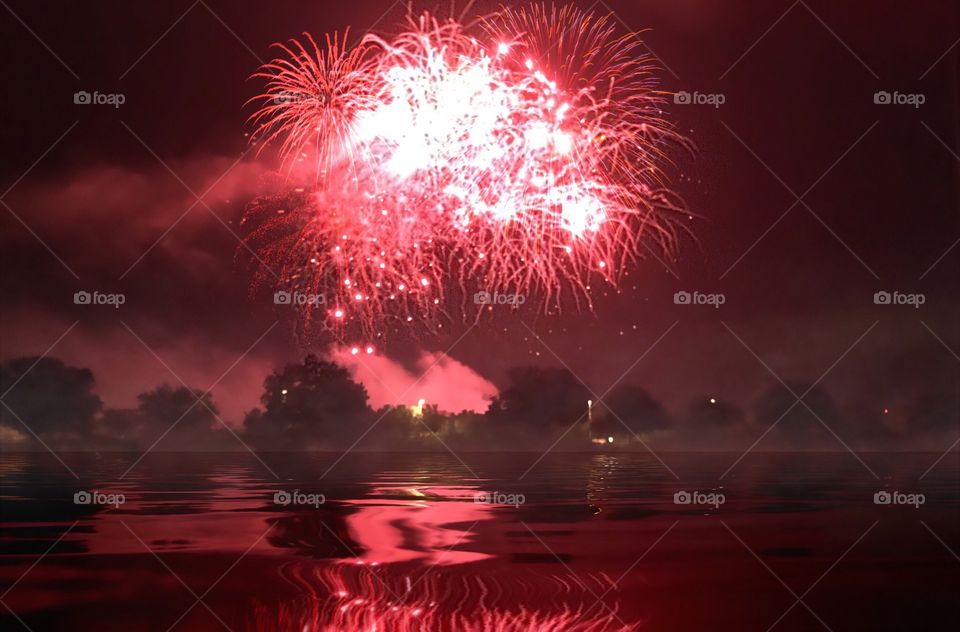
(440, 111)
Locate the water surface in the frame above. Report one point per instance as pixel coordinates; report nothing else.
(413, 542)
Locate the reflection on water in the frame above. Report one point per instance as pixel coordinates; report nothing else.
(344, 597)
(402, 544)
(419, 529)
(401, 520)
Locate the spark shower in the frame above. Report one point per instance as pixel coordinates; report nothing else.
(522, 153)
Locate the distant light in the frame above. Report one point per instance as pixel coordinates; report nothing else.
(369, 350)
(355, 351)
(418, 409)
(609, 439)
(503, 48)
(886, 411)
(283, 392)
(713, 401)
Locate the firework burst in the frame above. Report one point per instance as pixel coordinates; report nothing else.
(524, 158)
(312, 98)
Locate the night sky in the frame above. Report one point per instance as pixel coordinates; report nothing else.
(102, 198)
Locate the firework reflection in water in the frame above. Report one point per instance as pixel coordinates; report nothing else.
(349, 597)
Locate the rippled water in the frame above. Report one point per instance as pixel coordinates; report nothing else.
(413, 542)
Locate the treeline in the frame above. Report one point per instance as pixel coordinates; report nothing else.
(317, 405)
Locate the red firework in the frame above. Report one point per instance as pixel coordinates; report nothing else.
(523, 159)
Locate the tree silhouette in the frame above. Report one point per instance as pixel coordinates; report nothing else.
(53, 400)
(628, 412)
(309, 405)
(541, 398)
(189, 424)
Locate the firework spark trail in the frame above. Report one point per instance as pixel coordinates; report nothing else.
(525, 158)
(352, 262)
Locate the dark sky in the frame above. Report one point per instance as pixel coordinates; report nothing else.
(880, 189)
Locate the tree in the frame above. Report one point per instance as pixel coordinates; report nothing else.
(538, 406)
(53, 400)
(629, 411)
(189, 419)
(309, 405)
(541, 398)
